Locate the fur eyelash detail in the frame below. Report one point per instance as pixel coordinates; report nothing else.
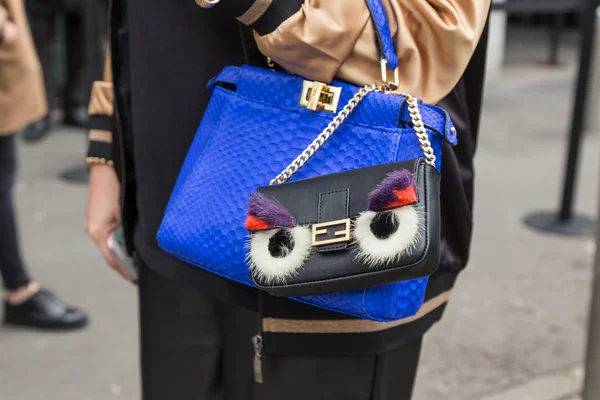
(265, 214)
(396, 190)
(376, 252)
(278, 269)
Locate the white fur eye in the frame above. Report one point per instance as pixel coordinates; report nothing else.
(383, 237)
(277, 254)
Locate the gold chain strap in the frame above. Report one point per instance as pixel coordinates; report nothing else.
(415, 114)
(419, 127)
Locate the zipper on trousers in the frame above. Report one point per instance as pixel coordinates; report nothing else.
(257, 340)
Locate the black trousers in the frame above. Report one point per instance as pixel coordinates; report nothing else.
(195, 347)
(12, 269)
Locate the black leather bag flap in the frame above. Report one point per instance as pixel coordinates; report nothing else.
(330, 206)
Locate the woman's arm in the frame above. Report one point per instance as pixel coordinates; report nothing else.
(103, 215)
(101, 109)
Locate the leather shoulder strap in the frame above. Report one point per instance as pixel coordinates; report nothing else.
(384, 36)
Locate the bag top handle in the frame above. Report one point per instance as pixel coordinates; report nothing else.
(387, 57)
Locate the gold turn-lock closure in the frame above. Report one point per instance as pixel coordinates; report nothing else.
(318, 96)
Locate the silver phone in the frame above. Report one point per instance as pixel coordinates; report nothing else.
(116, 242)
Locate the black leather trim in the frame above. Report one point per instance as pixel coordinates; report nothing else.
(278, 11)
(340, 271)
(100, 149)
(101, 122)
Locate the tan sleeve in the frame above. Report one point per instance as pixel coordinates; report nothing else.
(101, 110)
(435, 40)
(102, 97)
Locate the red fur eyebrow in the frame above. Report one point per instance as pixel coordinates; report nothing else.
(256, 224)
(404, 197)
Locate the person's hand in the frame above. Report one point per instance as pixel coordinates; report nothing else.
(103, 214)
(8, 29)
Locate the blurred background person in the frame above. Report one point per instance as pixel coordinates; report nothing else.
(70, 94)
(22, 101)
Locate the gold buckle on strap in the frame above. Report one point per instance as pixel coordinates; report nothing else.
(321, 229)
(318, 96)
(391, 85)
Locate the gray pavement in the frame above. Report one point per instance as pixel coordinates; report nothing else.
(515, 325)
(519, 311)
(100, 362)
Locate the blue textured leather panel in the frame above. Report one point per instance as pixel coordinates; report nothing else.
(247, 137)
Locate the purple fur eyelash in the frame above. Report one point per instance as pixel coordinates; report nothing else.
(383, 194)
(270, 211)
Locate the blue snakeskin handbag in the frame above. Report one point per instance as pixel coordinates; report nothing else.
(260, 120)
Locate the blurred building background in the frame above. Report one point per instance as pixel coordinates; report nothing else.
(69, 36)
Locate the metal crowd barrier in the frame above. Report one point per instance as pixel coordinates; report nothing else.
(565, 221)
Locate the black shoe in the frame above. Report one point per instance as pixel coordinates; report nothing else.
(77, 117)
(44, 310)
(37, 131)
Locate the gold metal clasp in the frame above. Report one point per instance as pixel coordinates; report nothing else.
(384, 78)
(318, 96)
(340, 236)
